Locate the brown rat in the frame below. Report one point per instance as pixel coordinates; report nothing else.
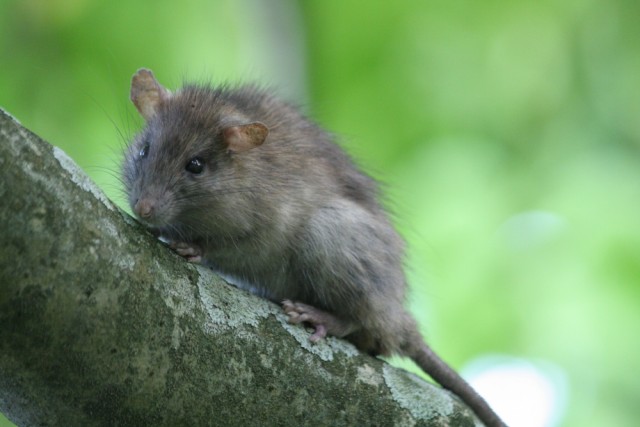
(244, 183)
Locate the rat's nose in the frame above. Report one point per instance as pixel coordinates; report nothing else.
(143, 208)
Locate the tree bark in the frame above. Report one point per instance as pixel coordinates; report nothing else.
(102, 325)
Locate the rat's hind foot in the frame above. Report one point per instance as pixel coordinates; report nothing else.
(323, 323)
(189, 251)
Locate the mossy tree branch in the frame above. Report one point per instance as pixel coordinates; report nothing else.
(100, 324)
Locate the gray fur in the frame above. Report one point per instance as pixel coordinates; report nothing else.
(293, 217)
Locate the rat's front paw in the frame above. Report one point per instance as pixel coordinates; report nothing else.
(190, 251)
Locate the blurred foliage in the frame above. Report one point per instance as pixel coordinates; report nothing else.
(508, 134)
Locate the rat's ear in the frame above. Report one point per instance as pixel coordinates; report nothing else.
(241, 138)
(146, 93)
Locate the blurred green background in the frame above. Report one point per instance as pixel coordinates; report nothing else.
(507, 133)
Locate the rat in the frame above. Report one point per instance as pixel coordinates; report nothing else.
(244, 183)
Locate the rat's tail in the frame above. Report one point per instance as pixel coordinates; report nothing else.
(442, 373)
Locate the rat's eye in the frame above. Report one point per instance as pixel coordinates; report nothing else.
(144, 151)
(195, 165)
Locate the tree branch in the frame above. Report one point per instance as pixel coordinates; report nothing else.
(100, 324)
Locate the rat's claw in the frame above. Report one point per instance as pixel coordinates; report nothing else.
(287, 305)
(293, 317)
(318, 334)
(189, 251)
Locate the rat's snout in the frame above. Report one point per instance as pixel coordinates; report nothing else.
(151, 208)
(144, 208)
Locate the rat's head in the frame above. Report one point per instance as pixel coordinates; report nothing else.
(185, 155)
